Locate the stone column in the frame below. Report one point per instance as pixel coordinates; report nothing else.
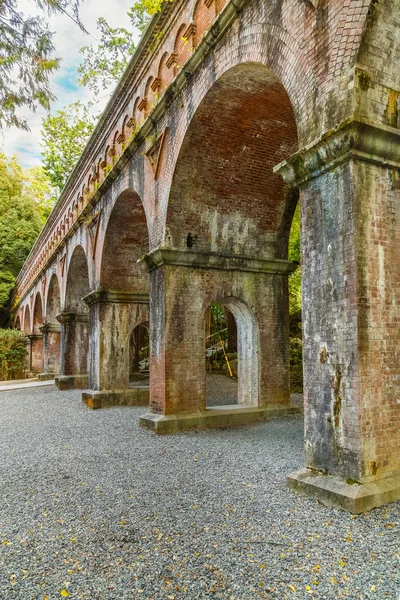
(350, 194)
(74, 351)
(51, 351)
(183, 287)
(113, 316)
(36, 353)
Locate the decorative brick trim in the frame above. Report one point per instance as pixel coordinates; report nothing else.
(191, 30)
(121, 138)
(155, 84)
(130, 122)
(170, 62)
(208, 3)
(142, 106)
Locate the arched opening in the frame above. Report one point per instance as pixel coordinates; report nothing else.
(124, 283)
(139, 355)
(53, 307)
(75, 319)
(37, 336)
(126, 240)
(27, 320)
(51, 329)
(231, 214)
(17, 324)
(232, 346)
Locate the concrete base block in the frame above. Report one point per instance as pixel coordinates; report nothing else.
(46, 376)
(219, 417)
(138, 396)
(72, 382)
(354, 498)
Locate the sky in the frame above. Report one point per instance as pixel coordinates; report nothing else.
(68, 39)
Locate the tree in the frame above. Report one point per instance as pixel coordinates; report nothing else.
(38, 187)
(64, 135)
(12, 353)
(26, 58)
(20, 224)
(103, 65)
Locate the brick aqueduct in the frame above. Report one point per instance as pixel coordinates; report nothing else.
(228, 112)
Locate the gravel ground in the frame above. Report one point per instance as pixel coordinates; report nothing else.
(94, 507)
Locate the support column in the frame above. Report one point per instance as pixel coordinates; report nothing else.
(36, 353)
(350, 193)
(51, 351)
(74, 351)
(183, 286)
(113, 316)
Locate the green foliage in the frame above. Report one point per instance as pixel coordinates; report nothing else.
(12, 353)
(38, 187)
(64, 135)
(26, 58)
(103, 65)
(296, 365)
(20, 224)
(295, 278)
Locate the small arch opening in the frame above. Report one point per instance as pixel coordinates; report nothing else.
(139, 356)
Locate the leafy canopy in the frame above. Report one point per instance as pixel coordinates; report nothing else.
(26, 58)
(21, 219)
(64, 135)
(12, 353)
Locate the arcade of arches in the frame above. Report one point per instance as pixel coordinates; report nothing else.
(184, 200)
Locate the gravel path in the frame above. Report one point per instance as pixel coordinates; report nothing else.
(95, 506)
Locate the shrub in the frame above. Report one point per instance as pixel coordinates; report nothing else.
(12, 352)
(296, 365)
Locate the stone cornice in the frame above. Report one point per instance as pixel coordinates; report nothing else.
(35, 336)
(115, 297)
(50, 328)
(351, 139)
(210, 260)
(69, 317)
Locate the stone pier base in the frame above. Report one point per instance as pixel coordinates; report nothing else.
(71, 382)
(46, 376)
(138, 396)
(219, 417)
(352, 497)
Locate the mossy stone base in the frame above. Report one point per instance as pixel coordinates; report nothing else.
(72, 382)
(219, 417)
(354, 498)
(46, 376)
(138, 396)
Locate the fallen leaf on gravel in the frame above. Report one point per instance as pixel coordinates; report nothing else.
(291, 587)
(64, 594)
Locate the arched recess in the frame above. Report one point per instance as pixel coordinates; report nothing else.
(37, 314)
(53, 305)
(124, 297)
(77, 282)
(37, 337)
(244, 126)
(27, 320)
(126, 240)
(17, 324)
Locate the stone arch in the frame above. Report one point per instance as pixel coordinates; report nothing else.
(27, 320)
(244, 126)
(247, 349)
(125, 241)
(203, 15)
(37, 314)
(53, 303)
(165, 75)
(77, 285)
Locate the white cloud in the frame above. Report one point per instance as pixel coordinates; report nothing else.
(68, 39)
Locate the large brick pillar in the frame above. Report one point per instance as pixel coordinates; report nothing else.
(36, 353)
(113, 316)
(183, 287)
(51, 351)
(74, 350)
(351, 296)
